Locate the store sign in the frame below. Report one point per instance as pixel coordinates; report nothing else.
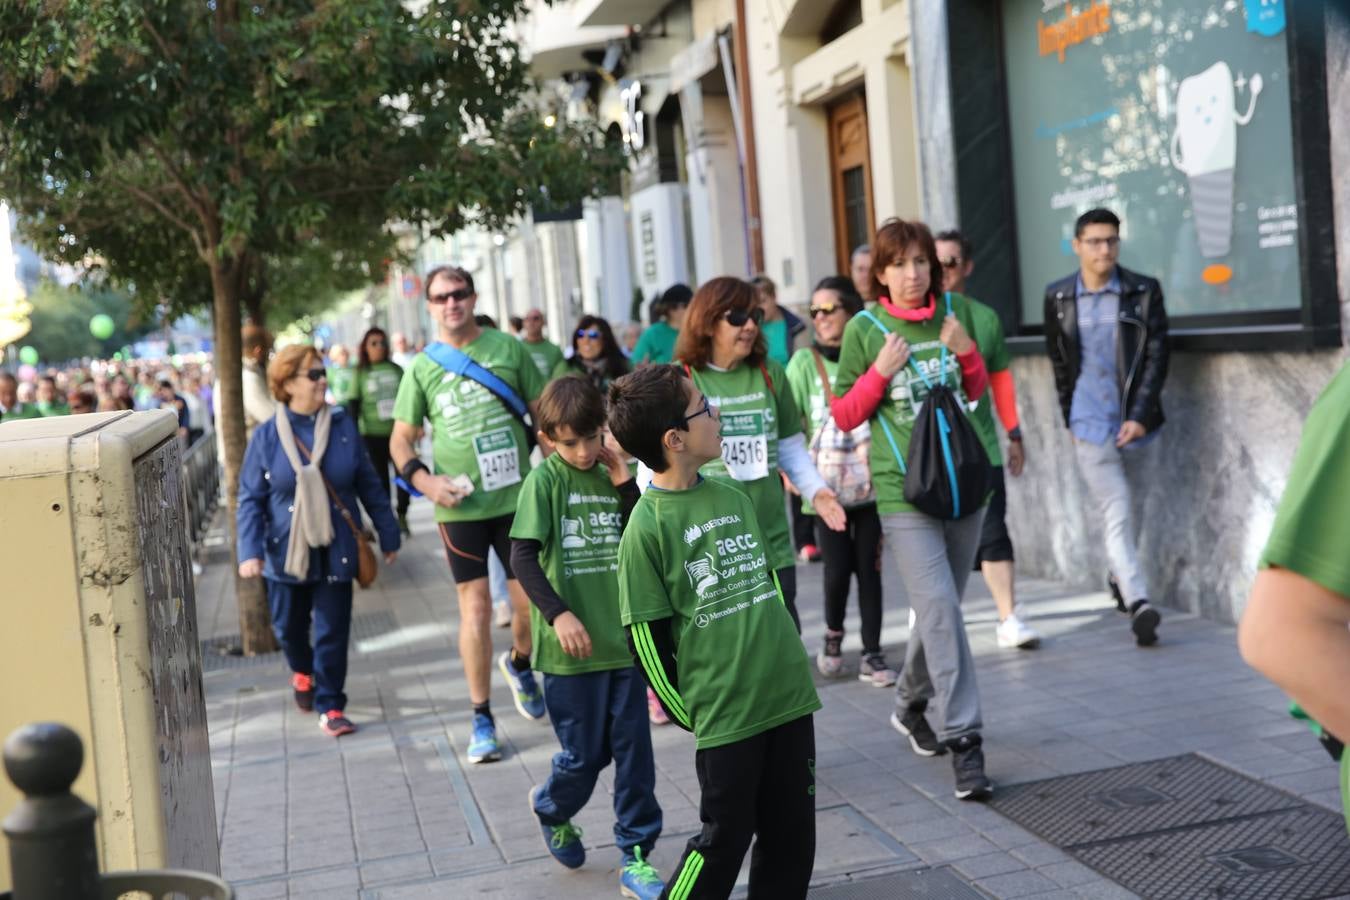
(1177, 117)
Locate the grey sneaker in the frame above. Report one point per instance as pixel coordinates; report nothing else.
(872, 669)
(829, 661)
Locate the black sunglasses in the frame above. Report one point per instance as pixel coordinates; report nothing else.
(737, 318)
(824, 309)
(316, 374)
(456, 294)
(592, 333)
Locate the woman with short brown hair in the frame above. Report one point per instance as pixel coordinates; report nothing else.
(722, 349)
(298, 487)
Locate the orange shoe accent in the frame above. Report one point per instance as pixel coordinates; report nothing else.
(302, 682)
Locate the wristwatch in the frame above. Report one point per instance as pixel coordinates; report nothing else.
(1016, 434)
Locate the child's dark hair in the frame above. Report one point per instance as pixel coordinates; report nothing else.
(571, 401)
(643, 406)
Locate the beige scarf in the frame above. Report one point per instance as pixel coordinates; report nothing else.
(311, 522)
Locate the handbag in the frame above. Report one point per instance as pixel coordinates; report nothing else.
(842, 459)
(367, 563)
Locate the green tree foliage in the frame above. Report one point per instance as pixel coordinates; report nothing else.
(149, 134)
(61, 321)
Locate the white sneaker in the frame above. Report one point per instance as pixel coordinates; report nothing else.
(501, 614)
(1012, 632)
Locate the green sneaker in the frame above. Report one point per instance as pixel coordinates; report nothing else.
(563, 841)
(639, 878)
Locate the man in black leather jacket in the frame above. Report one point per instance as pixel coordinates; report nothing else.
(1106, 332)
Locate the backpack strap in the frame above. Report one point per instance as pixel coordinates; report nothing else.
(885, 428)
(460, 363)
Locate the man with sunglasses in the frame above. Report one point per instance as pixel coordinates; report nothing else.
(464, 384)
(544, 352)
(994, 558)
(1106, 332)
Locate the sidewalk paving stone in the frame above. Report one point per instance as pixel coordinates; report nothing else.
(394, 812)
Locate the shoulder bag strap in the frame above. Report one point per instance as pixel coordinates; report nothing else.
(342, 507)
(824, 376)
(460, 363)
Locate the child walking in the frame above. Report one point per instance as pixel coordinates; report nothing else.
(565, 550)
(708, 625)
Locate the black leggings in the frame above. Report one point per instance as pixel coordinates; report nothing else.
(854, 551)
(378, 449)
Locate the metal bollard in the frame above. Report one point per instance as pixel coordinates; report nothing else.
(52, 855)
(51, 832)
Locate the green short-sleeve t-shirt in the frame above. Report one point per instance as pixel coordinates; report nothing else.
(472, 432)
(757, 411)
(575, 516)
(546, 356)
(696, 557)
(656, 344)
(900, 405)
(48, 410)
(21, 411)
(988, 336)
(376, 386)
(341, 381)
(809, 394)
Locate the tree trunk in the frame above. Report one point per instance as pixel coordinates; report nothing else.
(255, 622)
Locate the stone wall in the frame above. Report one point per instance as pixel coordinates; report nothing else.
(1205, 491)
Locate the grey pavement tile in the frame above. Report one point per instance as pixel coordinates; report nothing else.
(1069, 873)
(1016, 884)
(1009, 836)
(405, 868)
(1040, 854)
(950, 849)
(268, 890)
(985, 865)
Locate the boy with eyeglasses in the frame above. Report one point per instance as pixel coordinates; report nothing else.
(709, 629)
(1106, 333)
(468, 384)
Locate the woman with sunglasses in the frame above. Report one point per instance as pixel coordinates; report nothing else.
(841, 457)
(372, 394)
(722, 349)
(302, 474)
(596, 355)
(917, 336)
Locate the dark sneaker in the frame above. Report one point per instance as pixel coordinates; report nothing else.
(638, 879)
(1144, 621)
(915, 727)
(1116, 595)
(968, 765)
(335, 724)
(873, 670)
(524, 690)
(303, 687)
(563, 841)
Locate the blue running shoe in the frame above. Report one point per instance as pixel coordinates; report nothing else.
(563, 841)
(483, 746)
(639, 879)
(524, 690)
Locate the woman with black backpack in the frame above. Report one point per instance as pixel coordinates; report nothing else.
(841, 459)
(909, 368)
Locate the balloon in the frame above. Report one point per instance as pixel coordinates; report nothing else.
(27, 373)
(28, 355)
(102, 326)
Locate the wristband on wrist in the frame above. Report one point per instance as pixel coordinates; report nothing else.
(411, 468)
(1016, 434)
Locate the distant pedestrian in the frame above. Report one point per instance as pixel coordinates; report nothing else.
(170, 399)
(1106, 332)
(341, 375)
(596, 355)
(401, 353)
(371, 397)
(629, 333)
(11, 409)
(545, 353)
(893, 357)
(780, 327)
(303, 472)
(258, 403)
(657, 343)
(49, 401)
(994, 559)
(860, 271)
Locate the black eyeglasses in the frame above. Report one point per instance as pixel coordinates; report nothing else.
(457, 294)
(1109, 243)
(824, 309)
(592, 333)
(737, 318)
(316, 374)
(706, 408)
(950, 262)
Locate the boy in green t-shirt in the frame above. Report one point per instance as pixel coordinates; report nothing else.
(1296, 628)
(565, 552)
(707, 623)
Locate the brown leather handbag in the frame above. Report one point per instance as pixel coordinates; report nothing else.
(367, 563)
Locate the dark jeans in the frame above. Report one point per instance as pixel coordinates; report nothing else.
(330, 605)
(855, 551)
(764, 788)
(599, 717)
(803, 525)
(787, 583)
(378, 449)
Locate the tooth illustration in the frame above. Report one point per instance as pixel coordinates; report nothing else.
(1204, 146)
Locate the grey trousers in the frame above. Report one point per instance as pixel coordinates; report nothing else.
(933, 558)
(1104, 473)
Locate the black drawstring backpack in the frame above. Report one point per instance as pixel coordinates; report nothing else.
(947, 474)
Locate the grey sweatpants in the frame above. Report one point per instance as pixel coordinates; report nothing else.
(933, 558)
(1103, 471)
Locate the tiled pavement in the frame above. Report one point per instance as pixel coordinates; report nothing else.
(393, 812)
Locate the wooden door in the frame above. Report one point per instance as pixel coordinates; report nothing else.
(850, 178)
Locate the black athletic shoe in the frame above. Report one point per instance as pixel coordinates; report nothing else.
(915, 727)
(1116, 594)
(968, 765)
(1144, 621)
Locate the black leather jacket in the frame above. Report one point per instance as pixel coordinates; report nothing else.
(1141, 344)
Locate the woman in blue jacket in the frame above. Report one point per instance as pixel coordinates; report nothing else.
(293, 534)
